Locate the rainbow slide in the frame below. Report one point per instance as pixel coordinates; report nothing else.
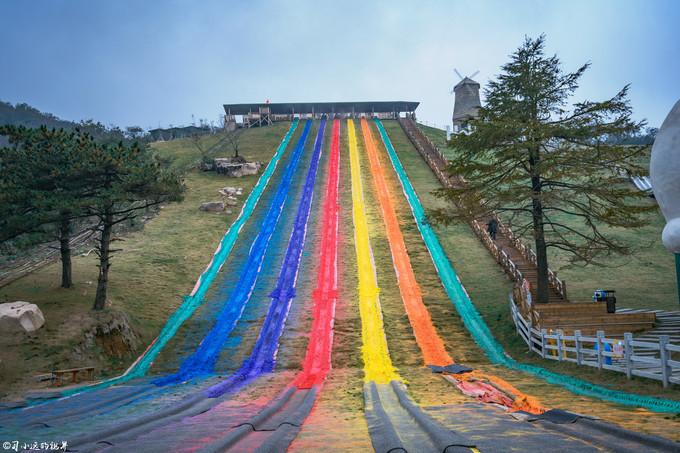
(201, 408)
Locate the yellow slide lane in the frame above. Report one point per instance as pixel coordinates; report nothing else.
(377, 363)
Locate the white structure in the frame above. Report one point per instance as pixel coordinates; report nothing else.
(664, 171)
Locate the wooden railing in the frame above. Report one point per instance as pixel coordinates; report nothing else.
(437, 163)
(629, 356)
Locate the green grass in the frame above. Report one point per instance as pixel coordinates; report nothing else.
(184, 154)
(148, 277)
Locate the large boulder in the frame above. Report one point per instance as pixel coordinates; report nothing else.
(212, 206)
(20, 317)
(229, 167)
(228, 191)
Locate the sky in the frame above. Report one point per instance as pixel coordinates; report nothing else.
(157, 63)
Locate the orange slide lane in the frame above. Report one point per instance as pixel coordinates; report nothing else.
(430, 343)
(484, 387)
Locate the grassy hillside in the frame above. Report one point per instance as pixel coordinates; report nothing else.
(156, 266)
(643, 280)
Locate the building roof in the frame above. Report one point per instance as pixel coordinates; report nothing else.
(287, 108)
(466, 81)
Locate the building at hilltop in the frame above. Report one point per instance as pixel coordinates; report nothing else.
(466, 104)
(263, 114)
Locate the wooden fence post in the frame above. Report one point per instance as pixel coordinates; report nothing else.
(543, 334)
(665, 369)
(600, 347)
(628, 353)
(577, 343)
(529, 327)
(559, 345)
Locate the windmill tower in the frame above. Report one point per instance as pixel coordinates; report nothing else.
(466, 102)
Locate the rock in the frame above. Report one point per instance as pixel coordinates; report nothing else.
(228, 211)
(251, 168)
(212, 206)
(110, 334)
(231, 202)
(228, 191)
(20, 317)
(227, 166)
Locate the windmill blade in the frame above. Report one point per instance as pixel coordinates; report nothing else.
(456, 70)
(476, 72)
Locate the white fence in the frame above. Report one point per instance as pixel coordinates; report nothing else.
(646, 359)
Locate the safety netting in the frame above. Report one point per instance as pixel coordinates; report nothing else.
(477, 326)
(202, 361)
(262, 358)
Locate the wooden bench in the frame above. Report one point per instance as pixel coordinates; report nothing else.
(57, 376)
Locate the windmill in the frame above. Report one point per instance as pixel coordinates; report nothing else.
(466, 102)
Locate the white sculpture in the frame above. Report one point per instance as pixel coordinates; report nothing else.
(664, 170)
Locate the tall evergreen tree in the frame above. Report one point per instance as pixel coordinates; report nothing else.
(543, 165)
(127, 180)
(41, 189)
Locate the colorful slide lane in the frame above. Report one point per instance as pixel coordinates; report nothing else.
(275, 426)
(200, 401)
(130, 389)
(476, 325)
(207, 428)
(202, 361)
(556, 425)
(263, 357)
(430, 343)
(395, 422)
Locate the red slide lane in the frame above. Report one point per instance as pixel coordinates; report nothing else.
(317, 362)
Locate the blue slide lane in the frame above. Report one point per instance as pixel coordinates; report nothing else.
(202, 361)
(477, 327)
(262, 359)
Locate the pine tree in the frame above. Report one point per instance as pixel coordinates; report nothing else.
(41, 189)
(126, 179)
(549, 170)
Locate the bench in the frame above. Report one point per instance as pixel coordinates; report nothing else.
(56, 377)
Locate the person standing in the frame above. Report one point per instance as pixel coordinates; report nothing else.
(492, 227)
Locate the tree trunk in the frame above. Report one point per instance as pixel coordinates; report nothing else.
(542, 287)
(65, 249)
(104, 263)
